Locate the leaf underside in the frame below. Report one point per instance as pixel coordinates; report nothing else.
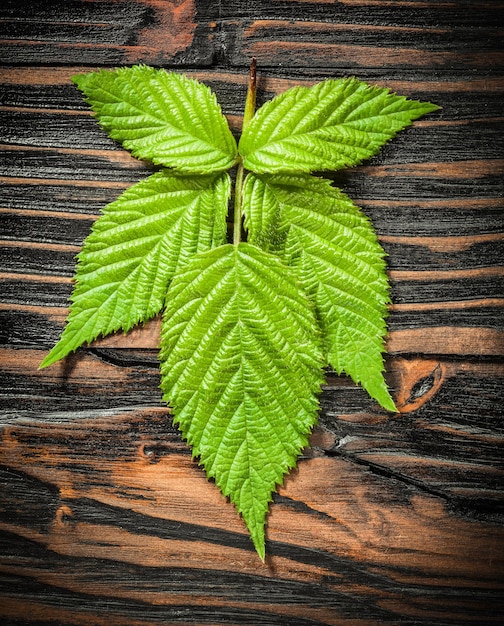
(164, 117)
(332, 247)
(134, 249)
(334, 124)
(241, 366)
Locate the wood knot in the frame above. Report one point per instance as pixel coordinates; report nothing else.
(417, 383)
(64, 515)
(150, 452)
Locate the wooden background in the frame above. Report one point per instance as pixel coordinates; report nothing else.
(393, 519)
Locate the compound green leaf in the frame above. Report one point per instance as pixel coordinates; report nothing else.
(241, 367)
(161, 116)
(318, 231)
(134, 249)
(246, 328)
(334, 124)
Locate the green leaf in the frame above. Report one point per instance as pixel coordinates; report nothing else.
(334, 124)
(134, 249)
(161, 116)
(248, 327)
(241, 366)
(318, 230)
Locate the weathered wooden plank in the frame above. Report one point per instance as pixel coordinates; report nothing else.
(473, 97)
(404, 257)
(350, 35)
(53, 206)
(108, 33)
(472, 330)
(419, 285)
(70, 164)
(421, 14)
(417, 322)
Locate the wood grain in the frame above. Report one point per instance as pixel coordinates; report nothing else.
(390, 518)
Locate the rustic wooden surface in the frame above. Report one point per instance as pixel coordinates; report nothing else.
(104, 517)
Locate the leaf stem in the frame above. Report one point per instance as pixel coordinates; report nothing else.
(248, 114)
(250, 103)
(238, 200)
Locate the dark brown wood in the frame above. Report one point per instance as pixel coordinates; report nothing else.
(390, 519)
